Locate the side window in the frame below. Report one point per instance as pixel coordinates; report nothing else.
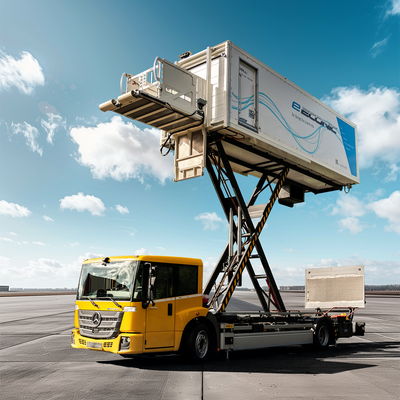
(186, 282)
(163, 287)
(137, 290)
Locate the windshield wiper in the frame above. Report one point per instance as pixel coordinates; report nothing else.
(87, 297)
(110, 298)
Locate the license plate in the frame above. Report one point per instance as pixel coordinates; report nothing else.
(94, 345)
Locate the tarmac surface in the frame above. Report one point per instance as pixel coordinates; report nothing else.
(36, 361)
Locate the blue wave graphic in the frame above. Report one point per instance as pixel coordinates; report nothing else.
(310, 140)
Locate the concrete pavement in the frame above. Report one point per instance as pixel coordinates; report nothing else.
(36, 361)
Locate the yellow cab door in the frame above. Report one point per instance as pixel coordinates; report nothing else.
(160, 316)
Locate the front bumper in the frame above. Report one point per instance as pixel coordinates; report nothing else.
(114, 345)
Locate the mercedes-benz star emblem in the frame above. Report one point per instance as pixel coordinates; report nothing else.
(96, 319)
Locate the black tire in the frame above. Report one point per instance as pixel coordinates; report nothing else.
(198, 346)
(322, 335)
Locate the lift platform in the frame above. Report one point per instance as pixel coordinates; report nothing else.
(165, 97)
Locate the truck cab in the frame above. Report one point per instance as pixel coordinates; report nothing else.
(137, 304)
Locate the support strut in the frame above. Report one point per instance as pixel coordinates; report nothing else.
(231, 267)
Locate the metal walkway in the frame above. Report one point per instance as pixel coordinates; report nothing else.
(143, 107)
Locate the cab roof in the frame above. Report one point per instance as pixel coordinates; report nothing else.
(150, 258)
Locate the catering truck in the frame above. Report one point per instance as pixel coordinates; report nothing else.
(223, 111)
(150, 304)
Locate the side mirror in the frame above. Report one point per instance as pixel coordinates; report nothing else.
(149, 279)
(152, 281)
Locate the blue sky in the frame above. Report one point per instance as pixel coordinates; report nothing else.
(70, 187)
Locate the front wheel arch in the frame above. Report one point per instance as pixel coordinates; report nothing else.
(193, 325)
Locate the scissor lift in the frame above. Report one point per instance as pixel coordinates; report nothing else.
(244, 236)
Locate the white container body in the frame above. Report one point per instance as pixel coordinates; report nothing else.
(257, 106)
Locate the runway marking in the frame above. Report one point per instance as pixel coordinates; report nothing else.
(37, 316)
(30, 341)
(36, 334)
(366, 358)
(361, 338)
(380, 334)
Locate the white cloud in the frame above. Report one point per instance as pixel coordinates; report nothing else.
(375, 195)
(122, 209)
(45, 265)
(394, 8)
(81, 202)
(348, 205)
(209, 263)
(30, 133)
(24, 73)
(377, 115)
(42, 272)
(47, 218)
(141, 251)
(13, 209)
(351, 224)
(210, 220)
(19, 243)
(394, 170)
(389, 209)
(5, 261)
(378, 47)
(53, 122)
(351, 209)
(120, 150)
(288, 276)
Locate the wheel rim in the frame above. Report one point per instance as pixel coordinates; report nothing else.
(201, 344)
(323, 335)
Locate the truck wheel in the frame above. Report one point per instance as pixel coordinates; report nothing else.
(198, 345)
(322, 335)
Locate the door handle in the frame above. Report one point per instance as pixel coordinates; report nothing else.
(169, 308)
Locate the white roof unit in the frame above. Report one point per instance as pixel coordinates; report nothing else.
(335, 287)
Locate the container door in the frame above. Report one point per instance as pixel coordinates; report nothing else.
(160, 316)
(247, 104)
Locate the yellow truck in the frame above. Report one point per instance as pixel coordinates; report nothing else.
(154, 304)
(142, 304)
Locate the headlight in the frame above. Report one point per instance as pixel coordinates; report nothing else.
(125, 342)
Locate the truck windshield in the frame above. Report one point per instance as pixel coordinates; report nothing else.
(118, 280)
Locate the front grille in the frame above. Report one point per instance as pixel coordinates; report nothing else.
(107, 344)
(82, 342)
(110, 322)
